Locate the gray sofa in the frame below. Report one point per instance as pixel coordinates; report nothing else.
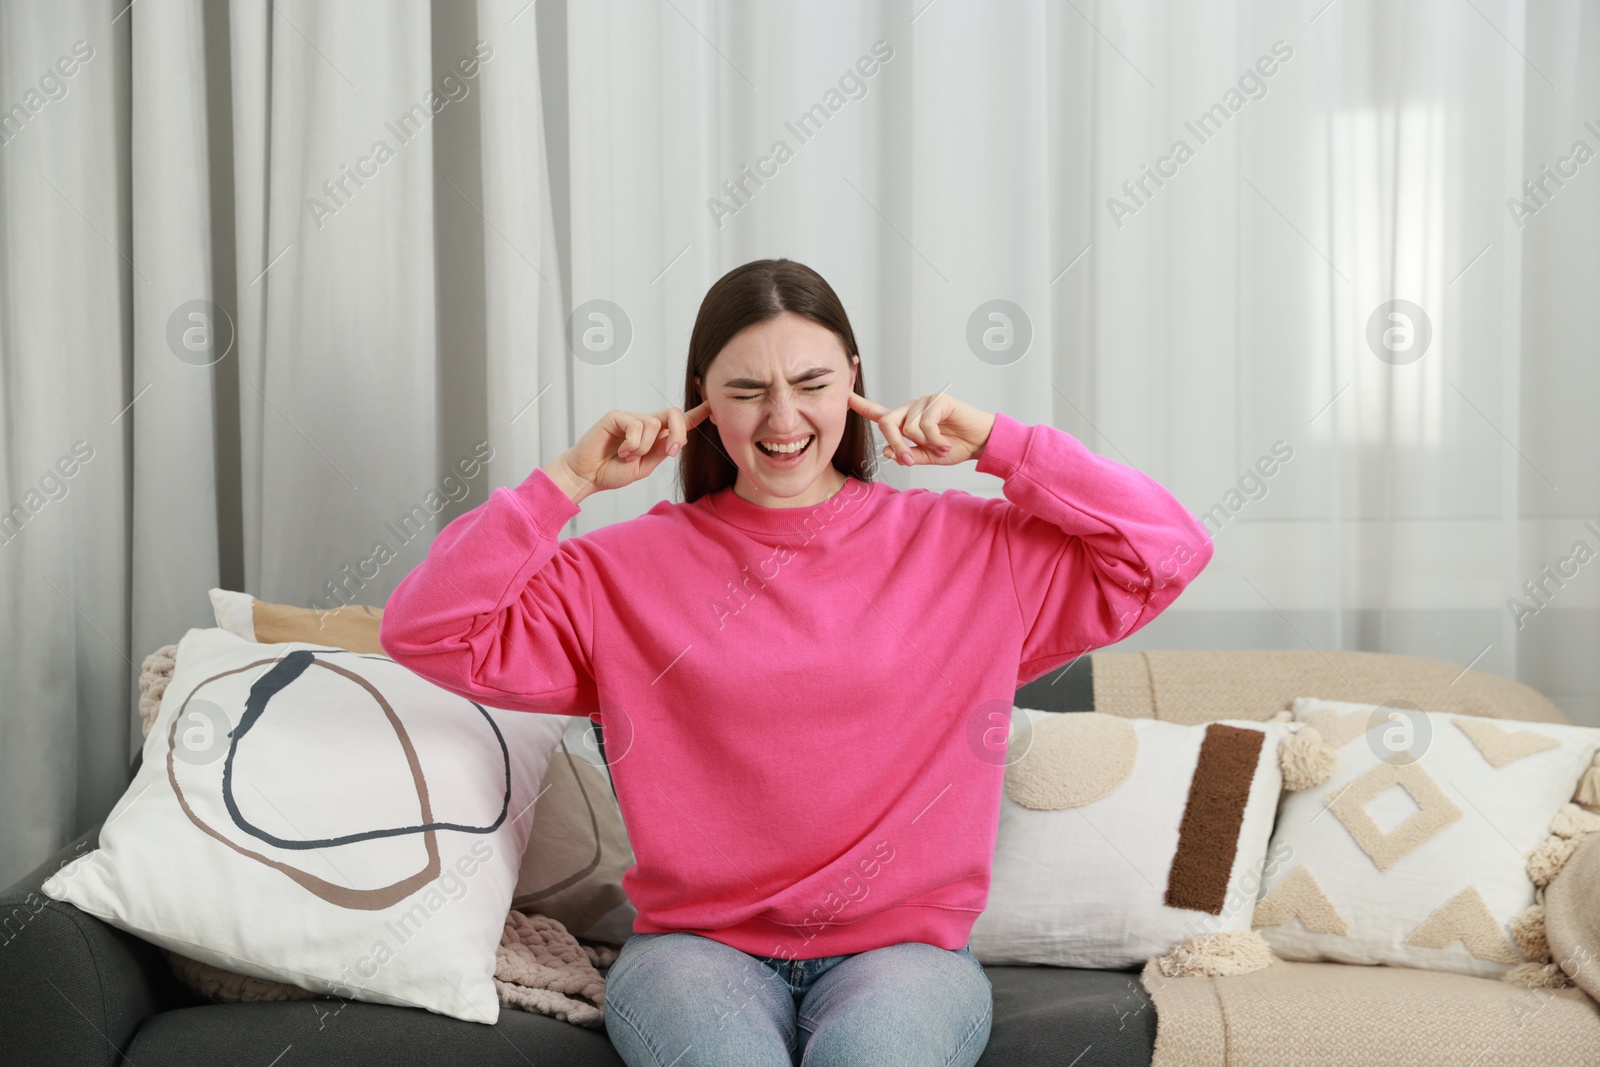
(75, 992)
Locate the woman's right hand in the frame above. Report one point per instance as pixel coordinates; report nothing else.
(624, 447)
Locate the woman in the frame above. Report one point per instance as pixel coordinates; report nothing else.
(803, 675)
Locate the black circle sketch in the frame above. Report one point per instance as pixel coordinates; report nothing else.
(269, 685)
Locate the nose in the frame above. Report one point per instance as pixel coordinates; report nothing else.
(783, 413)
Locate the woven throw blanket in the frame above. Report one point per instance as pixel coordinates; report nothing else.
(1194, 687)
(1335, 1014)
(539, 967)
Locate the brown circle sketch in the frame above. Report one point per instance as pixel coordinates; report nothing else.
(374, 899)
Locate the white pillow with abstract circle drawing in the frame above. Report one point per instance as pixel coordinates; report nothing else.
(322, 818)
(1118, 837)
(1414, 852)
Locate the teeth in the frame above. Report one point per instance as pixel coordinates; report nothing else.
(785, 449)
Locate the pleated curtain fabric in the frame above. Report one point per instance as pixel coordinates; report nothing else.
(275, 275)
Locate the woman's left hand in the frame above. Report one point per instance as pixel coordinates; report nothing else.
(938, 430)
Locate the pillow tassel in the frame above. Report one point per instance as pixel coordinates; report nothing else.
(1589, 785)
(1537, 976)
(1216, 955)
(1527, 932)
(1306, 759)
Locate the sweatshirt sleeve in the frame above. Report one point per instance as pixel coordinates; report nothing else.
(1096, 549)
(500, 610)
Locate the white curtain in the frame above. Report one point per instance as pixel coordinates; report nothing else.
(275, 339)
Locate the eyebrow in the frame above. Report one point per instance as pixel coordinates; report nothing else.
(751, 383)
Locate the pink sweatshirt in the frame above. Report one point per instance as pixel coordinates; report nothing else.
(805, 709)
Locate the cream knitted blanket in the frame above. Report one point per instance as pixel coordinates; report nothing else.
(539, 966)
(1195, 687)
(1339, 1014)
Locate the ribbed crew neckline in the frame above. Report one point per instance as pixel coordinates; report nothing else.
(842, 508)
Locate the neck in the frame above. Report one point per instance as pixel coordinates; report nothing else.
(820, 490)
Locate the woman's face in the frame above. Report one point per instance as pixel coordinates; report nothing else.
(781, 381)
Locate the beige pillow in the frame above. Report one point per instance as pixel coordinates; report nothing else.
(353, 627)
(1572, 916)
(578, 849)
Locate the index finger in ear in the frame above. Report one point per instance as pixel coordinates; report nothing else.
(677, 430)
(697, 414)
(863, 406)
(890, 425)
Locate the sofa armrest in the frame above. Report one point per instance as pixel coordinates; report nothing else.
(73, 989)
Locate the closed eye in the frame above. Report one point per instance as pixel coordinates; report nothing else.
(808, 389)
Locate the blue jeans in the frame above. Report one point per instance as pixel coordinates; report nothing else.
(684, 1000)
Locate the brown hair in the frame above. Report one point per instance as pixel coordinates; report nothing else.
(745, 296)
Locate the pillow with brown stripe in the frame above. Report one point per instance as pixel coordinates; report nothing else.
(1429, 843)
(578, 849)
(1119, 837)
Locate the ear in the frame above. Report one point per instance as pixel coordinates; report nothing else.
(699, 383)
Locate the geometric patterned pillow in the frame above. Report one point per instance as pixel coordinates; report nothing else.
(1414, 853)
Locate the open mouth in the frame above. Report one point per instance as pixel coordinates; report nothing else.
(788, 454)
